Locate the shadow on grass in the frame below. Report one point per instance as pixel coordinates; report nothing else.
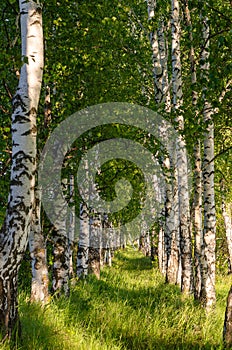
(147, 302)
(37, 333)
(125, 314)
(132, 264)
(143, 301)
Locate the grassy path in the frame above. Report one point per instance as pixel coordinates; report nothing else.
(129, 308)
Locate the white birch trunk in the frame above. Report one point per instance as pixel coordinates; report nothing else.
(172, 227)
(61, 258)
(162, 256)
(227, 217)
(71, 225)
(197, 219)
(208, 294)
(163, 52)
(144, 244)
(156, 60)
(95, 231)
(14, 233)
(38, 252)
(197, 203)
(169, 257)
(171, 244)
(83, 243)
(108, 257)
(95, 223)
(123, 240)
(182, 165)
(107, 237)
(84, 236)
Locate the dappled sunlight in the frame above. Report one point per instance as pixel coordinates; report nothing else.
(130, 307)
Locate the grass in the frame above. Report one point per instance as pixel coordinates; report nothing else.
(129, 308)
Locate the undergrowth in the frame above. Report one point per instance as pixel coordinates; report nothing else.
(130, 307)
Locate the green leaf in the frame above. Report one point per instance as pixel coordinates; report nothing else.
(25, 59)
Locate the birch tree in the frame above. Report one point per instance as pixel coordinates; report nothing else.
(197, 202)
(38, 253)
(157, 68)
(83, 242)
(169, 242)
(14, 233)
(208, 294)
(182, 166)
(227, 217)
(227, 329)
(95, 223)
(71, 225)
(95, 234)
(107, 235)
(60, 241)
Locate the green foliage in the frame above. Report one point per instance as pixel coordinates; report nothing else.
(93, 54)
(112, 172)
(100, 52)
(9, 65)
(108, 177)
(96, 52)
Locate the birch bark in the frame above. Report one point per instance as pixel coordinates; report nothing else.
(197, 203)
(38, 252)
(71, 226)
(168, 247)
(107, 234)
(14, 233)
(95, 224)
(94, 259)
(197, 219)
(182, 165)
(61, 258)
(208, 294)
(83, 242)
(227, 217)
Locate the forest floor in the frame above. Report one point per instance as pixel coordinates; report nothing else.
(129, 308)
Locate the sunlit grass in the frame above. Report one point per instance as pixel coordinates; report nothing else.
(130, 307)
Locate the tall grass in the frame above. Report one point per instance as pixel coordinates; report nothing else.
(130, 307)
